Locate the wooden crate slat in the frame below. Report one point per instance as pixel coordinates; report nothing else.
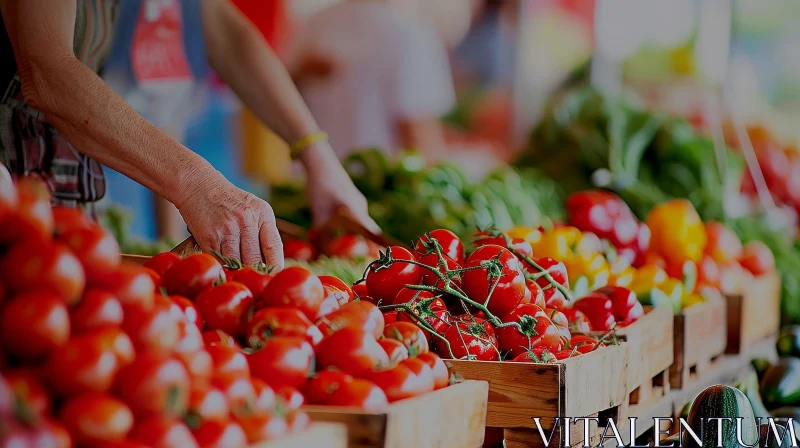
(700, 338)
(329, 435)
(453, 416)
(754, 313)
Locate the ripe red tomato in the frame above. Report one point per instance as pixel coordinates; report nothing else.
(441, 377)
(360, 290)
(338, 389)
(540, 354)
(722, 244)
(153, 384)
(323, 384)
(213, 434)
(117, 341)
(401, 382)
(390, 317)
(94, 419)
(239, 392)
(40, 265)
(553, 298)
(329, 305)
(383, 283)
(470, 340)
(583, 343)
(97, 249)
(34, 324)
(32, 216)
(297, 287)
(153, 330)
(300, 250)
(409, 334)
(505, 279)
(536, 294)
(229, 362)
(255, 281)
(263, 426)
(448, 241)
(284, 361)
(162, 432)
(84, 364)
(51, 434)
(191, 275)
(598, 308)
(561, 322)
(351, 350)
(535, 329)
(190, 350)
(351, 247)
(556, 269)
(132, 285)
(225, 308)
(70, 218)
(624, 304)
(219, 337)
(208, 403)
(337, 288)
(357, 314)
(757, 258)
(183, 308)
(578, 322)
(429, 308)
(431, 279)
(291, 397)
(28, 393)
(394, 349)
(161, 262)
(266, 398)
(98, 308)
(274, 322)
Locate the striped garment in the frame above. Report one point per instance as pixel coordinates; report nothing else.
(31, 146)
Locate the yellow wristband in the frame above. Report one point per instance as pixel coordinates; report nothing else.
(299, 146)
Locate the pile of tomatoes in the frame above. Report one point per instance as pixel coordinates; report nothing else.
(92, 354)
(498, 303)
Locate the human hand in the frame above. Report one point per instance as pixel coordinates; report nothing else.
(329, 188)
(233, 222)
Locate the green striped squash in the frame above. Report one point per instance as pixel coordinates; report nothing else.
(721, 401)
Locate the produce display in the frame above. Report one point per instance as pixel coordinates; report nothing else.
(406, 198)
(588, 140)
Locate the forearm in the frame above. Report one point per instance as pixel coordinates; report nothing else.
(103, 126)
(260, 80)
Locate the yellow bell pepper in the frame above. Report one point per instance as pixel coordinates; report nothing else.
(528, 234)
(593, 267)
(565, 242)
(647, 277)
(623, 277)
(677, 232)
(668, 294)
(691, 299)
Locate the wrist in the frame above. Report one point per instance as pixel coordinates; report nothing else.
(199, 177)
(319, 158)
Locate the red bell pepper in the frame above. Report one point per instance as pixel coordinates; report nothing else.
(624, 304)
(599, 309)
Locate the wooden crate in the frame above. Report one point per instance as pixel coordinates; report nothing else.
(590, 385)
(329, 435)
(699, 339)
(650, 355)
(449, 417)
(754, 313)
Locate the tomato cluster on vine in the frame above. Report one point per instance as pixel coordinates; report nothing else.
(497, 303)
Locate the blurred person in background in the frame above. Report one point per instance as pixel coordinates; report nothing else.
(376, 73)
(54, 102)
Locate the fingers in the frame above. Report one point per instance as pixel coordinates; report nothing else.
(370, 224)
(270, 239)
(271, 245)
(250, 245)
(230, 246)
